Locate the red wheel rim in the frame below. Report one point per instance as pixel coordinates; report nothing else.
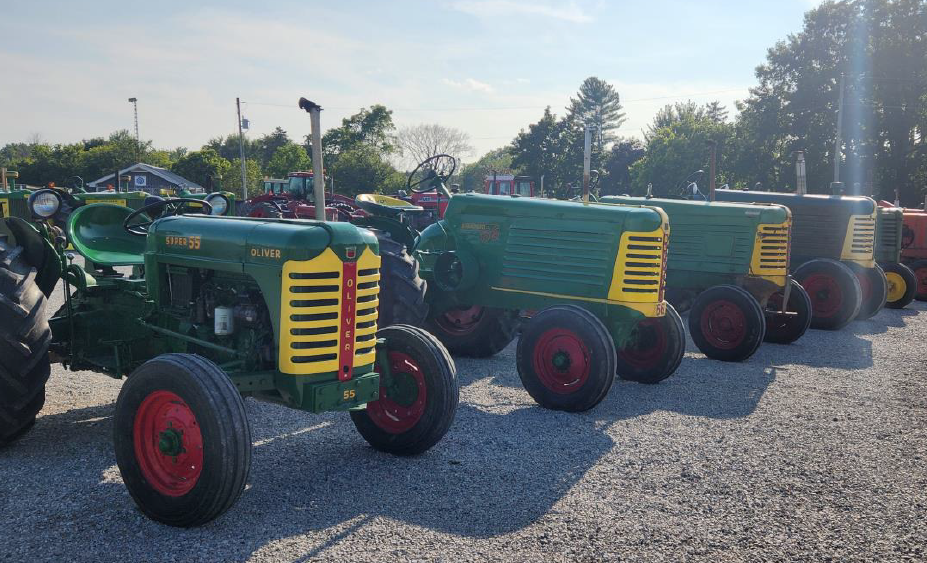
(921, 274)
(826, 295)
(865, 285)
(646, 345)
(402, 399)
(168, 444)
(461, 321)
(561, 360)
(723, 324)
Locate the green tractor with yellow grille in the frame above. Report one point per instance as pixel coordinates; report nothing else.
(591, 276)
(902, 281)
(833, 239)
(199, 311)
(728, 264)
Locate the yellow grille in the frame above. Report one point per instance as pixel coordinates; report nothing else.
(640, 268)
(859, 242)
(771, 251)
(312, 311)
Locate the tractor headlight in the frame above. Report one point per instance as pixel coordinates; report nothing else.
(44, 203)
(219, 203)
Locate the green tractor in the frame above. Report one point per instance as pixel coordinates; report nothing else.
(591, 276)
(728, 264)
(833, 239)
(902, 282)
(215, 309)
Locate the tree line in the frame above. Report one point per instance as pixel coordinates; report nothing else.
(875, 51)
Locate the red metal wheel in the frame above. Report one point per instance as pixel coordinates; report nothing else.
(168, 444)
(561, 360)
(402, 398)
(461, 321)
(723, 324)
(825, 293)
(647, 344)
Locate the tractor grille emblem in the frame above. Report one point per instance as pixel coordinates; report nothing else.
(350, 252)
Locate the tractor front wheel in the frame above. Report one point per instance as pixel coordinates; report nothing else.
(727, 323)
(785, 329)
(476, 332)
(566, 358)
(182, 439)
(902, 285)
(834, 292)
(418, 393)
(873, 287)
(654, 348)
(919, 267)
(24, 341)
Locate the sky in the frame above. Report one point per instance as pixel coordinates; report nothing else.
(487, 67)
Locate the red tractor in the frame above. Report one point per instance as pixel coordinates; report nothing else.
(914, 246)
(509, 184)
(292, 199)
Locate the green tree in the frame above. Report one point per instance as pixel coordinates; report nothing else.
(232, 181)
(288, 158)
(201, 165)
(363, 170)
(372, 128)
(597, 102)
(540, 150)
(617, 169)
(266, 147)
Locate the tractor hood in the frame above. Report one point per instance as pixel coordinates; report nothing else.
(854, 205)
(254, 240)
(762, 214)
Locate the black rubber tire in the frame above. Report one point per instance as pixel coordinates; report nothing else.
(750, 335)
(875, 296)
(573, 325)
(667, 351)
(490, 334)
(783, 329)
(226, 436)
(902, 278)
(919, 267)
(442, 393)
(24, 341)
(843, 279)
(402, 291)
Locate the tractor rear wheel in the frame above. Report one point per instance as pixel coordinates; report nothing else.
(727, 323)
(873, 287)
(902, 285)
(476, 332)
(419, 397)
(785, 329)
(182, 439)
(566, 358)
(834, 292)
(654, 349)
(402, 291)
(24, 341)
(919, 267)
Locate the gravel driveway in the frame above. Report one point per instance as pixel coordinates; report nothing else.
(809, 451)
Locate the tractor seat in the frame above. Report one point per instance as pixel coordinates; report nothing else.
(385, 205)
(96, 232)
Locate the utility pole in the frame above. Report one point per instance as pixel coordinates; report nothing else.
(138, 143)
(835, 186)
(241, 152)
(318, 172)
(711, 169)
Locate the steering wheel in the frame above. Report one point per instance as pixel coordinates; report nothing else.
(165, 208)
(683, 189)
(439, 166)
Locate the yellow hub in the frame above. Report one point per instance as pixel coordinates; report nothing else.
(896, 286)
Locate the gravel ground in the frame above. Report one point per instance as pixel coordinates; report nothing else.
(809, 451)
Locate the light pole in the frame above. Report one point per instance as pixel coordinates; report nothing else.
(138, 146)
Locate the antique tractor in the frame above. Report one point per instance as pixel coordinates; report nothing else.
(913, 241)
(216, 309)
(591, 276)
(293, 198)
(728, 263)
(833, 239)
(902, 281)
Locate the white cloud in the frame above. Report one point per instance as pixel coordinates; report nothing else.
(491, 9)
(469, 84)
